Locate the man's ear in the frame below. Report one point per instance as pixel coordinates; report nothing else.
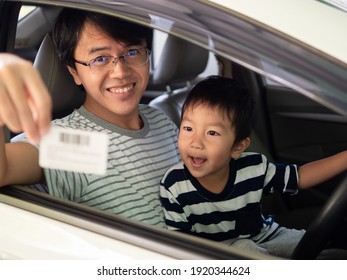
(240, 147)
(75, 76)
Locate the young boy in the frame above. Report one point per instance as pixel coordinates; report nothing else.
(215, 192)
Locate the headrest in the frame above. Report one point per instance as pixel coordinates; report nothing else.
(180, 61)
(66, 95)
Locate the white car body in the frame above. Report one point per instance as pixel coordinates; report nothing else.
(30, 231)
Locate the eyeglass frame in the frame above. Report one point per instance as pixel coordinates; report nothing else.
(116, 58)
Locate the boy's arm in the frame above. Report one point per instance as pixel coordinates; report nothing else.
(316, 172)
(18, 163)
(175, 217)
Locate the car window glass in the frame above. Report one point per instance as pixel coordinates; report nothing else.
(24, 11)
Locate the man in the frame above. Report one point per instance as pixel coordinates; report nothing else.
(110, 59)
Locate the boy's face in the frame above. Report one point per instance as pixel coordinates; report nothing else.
(113, 91)
(207, 143)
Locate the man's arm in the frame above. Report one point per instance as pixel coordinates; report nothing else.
(25, 105)
(18, 163)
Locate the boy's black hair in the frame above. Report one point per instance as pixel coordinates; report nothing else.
(71, 21)
(230, 97)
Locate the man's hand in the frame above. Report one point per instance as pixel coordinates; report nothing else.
(25, 103)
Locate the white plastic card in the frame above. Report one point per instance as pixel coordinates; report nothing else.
(74, 150)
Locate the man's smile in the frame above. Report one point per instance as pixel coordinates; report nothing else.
(124, 89)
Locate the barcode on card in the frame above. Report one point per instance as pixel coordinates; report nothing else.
(74, 150)
(75, 139)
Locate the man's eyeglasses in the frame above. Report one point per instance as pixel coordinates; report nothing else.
(134, 57)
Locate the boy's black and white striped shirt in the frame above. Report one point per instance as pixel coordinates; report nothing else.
(236, 211)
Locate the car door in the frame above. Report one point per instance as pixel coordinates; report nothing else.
(292, 128)
(302, 130)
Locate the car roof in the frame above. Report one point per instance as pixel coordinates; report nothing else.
(312, 22)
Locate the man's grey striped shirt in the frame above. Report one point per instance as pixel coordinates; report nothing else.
(137, 160)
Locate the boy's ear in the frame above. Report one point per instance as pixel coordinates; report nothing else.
(75, 76)
(240, 147)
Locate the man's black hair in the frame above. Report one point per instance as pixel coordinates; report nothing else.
(71, 21)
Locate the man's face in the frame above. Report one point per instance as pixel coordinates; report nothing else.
(114, 90)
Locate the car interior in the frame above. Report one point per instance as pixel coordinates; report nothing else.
(282, 115)
(173, 70)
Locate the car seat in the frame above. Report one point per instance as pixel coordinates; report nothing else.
(66, 95)
(180, 64)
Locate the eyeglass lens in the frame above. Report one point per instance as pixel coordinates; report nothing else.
(133, 57)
